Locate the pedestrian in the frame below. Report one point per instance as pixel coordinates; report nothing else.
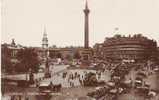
(82, 76)
(80, 82)
(72, 76)
(78, 75)
(26, 98)
(37, 83)
(13, 97)
(20, 97)
(51, 85)
(70, 84)
(73, 84)
(75, 74)
(68, 79)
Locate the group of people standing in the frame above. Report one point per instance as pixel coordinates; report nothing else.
(74, 79)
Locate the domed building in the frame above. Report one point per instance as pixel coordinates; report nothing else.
(136, 48)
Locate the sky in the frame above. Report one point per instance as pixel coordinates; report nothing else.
(24, 20)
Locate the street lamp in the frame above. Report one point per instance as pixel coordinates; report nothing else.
(47, 73)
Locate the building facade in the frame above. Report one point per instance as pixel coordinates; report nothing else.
(12, 48)
(98, 51)
(133, 48)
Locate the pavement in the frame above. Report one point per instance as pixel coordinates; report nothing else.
(22, 76)
(67, 92)
(57, 72)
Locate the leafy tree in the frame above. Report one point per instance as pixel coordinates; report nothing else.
(59, 55)
(52, 55)
(6, 64)
(54, 46)
(28, 60)
(55, 55)
(77, 55)
(68, 57)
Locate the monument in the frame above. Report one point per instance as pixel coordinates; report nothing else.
(86, 52)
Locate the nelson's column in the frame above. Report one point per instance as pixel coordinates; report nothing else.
(87, 52)
(86, 27)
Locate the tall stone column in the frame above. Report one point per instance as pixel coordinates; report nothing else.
(86, 27)
(87, 52)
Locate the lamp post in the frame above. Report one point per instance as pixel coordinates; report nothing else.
(47, 73)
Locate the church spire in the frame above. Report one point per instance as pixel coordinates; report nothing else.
(45, 39)
(45, 30)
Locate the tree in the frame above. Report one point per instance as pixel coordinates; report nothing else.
(54, 46)
(77, 55)
(6, 64)
(68, 57)
(28, 60)
(59, 55)
(52, 55)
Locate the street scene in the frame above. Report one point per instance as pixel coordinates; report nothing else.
(122, 67)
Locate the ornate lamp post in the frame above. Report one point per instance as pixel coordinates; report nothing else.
(47, 72)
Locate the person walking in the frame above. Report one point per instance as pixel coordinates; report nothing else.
(51, 85)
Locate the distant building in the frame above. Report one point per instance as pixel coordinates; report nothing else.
(98, 50)
(9, 55)
(54, 52)
(64, 52)
(13, 48)
(158, 54)
(135, 48)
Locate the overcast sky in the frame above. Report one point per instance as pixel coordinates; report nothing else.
(24, 20)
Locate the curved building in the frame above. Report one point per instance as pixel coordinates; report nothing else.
(132, 48)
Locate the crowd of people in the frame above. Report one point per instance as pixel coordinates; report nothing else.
(72, 78)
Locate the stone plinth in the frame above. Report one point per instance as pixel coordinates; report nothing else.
(86, 57)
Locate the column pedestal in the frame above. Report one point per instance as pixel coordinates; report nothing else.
(86, 58)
